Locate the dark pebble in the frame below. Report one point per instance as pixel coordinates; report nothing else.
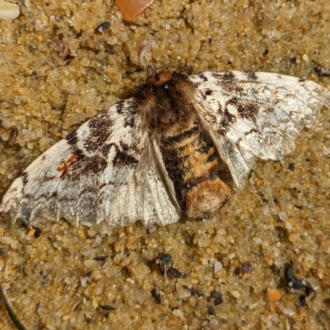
(102, 27)
(101, 258)
(292, 280)
(211, 310)
(37, 232)
(156, 295)
(107, 308)
(247, 267)
(217, 298)
(174, 272)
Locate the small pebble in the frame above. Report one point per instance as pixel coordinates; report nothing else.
(37, 232)
(83, 281)
(31, 232)
(151, 228)
(102, 27)
(13, 134)
(213, 324)
(274, 295)
(90, 263)
(8, 10)
(166, 258)
(217, 298)
(238, 270)
(163, 261)
(292, 166)
(107, 308)
(217, 266)
(156, 295)
(5, 240)
(235, 293)
(302, 300)
(130, 9)
(131, 240)
(101, 258)
(293, 60)
(211, 310)
(291, 279)
(247, 267)
(305, 58)
(174, 272)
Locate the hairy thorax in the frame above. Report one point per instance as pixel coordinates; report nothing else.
(189, 155)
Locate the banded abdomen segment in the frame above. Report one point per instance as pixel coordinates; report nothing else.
(191, 161)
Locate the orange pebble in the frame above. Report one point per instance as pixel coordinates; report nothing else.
(274, 295)
(132, 8)
(131, 240)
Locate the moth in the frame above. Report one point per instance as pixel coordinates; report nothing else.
(154, 157)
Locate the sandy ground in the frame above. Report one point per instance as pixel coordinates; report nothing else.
(56, 72)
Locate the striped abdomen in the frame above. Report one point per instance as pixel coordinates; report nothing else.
(191, 161)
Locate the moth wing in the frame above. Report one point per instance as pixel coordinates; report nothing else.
(255, 115)
(149, 195)
(102, 171)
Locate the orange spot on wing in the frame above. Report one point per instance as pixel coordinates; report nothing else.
(65, 166)
(71, 159)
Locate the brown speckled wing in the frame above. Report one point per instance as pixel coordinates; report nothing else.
(255, 115)
(103, 171)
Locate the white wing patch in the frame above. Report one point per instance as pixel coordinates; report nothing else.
(102, 171)
(255, 115)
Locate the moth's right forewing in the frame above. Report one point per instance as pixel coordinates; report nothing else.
(255, 115)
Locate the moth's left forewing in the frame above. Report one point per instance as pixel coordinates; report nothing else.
(104, 171)
(78, 178)
(255, 115)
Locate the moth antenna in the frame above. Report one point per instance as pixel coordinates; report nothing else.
(144, 51)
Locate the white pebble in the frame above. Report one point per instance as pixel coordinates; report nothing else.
(8, 10)
(288, 226)
(84, 281)
(236, 294)
(90, 263)
(205, 261)
(266, 210)
(305, 58)
(253, 305)
(178, 313)
(5, 240)
(258, 241)
(283, 216)
(91, 232)
(217, 266)
(97, 241)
